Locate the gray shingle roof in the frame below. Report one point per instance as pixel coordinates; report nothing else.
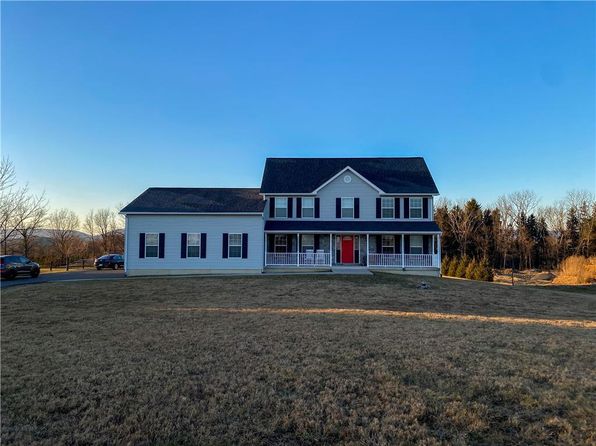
(352, 225)
(303, 175)
(197, 199)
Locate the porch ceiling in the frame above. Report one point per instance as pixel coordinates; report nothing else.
(429, 227)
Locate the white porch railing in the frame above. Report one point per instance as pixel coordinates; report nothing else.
(302, 259)
(409, 260)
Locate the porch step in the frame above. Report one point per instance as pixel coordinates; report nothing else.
(351, 270)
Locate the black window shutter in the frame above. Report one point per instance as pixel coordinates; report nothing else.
(356, 207)
(406, 208)
(396, 244)
(289, 243)
(244, 245)
(183, 245)
(290, 203)
(338, 208)
(378, 208)
(224, 246)
(425, 207)
(162, 245)
(425, 243)
(397, 206)
(203, 245)
(406, 244)
(298, 207)
(379, 244)
(317, 207)
(142, 245)
(317, 242)
(271, 207)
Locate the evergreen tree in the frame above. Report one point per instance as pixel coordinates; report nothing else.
(572, 232)
(462, 266)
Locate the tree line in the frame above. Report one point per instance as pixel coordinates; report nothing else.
(516, 232)
(28, 226)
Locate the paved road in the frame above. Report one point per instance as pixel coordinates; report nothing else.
(90, 274)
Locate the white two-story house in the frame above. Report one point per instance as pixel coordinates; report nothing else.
(317, 213)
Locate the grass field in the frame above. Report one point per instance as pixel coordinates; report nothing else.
(297, 360)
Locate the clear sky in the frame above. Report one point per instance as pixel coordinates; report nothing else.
(102, 100)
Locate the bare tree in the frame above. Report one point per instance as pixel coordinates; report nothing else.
(464, 220)
(104, 222)
(65, 240)
(28, 230)
(19, 208)
(90, 227)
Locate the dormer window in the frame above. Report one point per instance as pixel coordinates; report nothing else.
(281, 207)
(347, 207)
(416, 207)
(308, 207)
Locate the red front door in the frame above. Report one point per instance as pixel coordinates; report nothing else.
(347, 249)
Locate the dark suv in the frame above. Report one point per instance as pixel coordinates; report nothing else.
(113, 261)
(11, 266)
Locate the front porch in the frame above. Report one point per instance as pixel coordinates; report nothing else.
(374, 251)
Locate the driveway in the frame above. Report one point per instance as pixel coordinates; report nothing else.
(90, 274)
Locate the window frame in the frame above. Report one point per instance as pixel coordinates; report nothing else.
(420, 208)
(412, 245)
(230, 246)
(312, 208)
(303, 245)
(276, 199)
(392, 207)
(383, 245)
(156, 245)
(276, 244)
(342, 207)
(197, 245)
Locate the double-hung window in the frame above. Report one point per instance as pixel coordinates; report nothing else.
(193, 245)
(416, 244)
(307, 243)
(347, 207)
(388, 207)
(281, 207)
(308, 207)
(416, 207)
(151, 244)
(388, 244)
(281, 243)
(235, 245)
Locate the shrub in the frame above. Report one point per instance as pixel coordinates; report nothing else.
(453, 267)
(484, 271)
(462, 266)
(445, 264)
(576, 270)
(471, 270)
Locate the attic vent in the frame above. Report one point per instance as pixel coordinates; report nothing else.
(347, 179)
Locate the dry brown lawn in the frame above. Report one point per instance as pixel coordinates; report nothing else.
(297, 360)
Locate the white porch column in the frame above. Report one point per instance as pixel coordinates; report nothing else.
(265, 244)
(403, 264)
(367, 250)
(298, 250)
(439, 252)
(331, 250)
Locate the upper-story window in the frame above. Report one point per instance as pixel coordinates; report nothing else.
(416, 207)
(347, 207)
(281, 207)
(308, 207)
(151, 244)
(387, 207)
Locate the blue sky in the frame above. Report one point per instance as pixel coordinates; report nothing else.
(101, 100)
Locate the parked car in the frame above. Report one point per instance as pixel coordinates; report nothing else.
(12, 266)
(113, 261)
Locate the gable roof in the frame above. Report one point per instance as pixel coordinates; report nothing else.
(197, 200)
(304, 175)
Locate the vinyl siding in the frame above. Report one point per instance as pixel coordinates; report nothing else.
(357, 188)
(213, 225)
